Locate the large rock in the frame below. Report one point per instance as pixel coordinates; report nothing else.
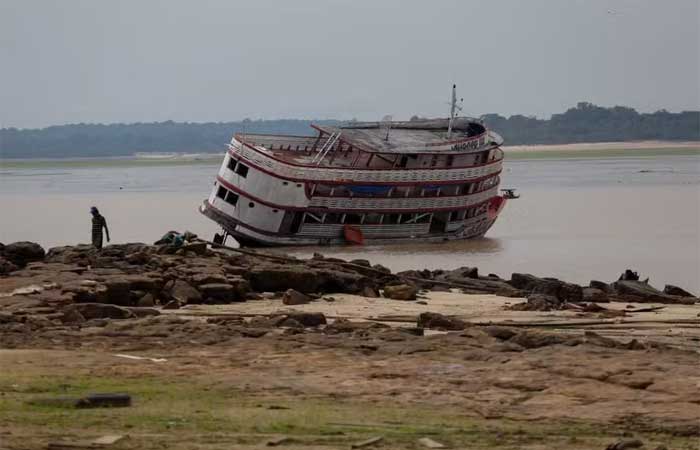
(118, 291)
(294, 297)
(275, 278)
(143, 311)
(112, 290)
(183, 292)
(72, 316)
(6, 266)
(549, 286)
(99, 311)
(538, 302)
(307, 319)
(594, 295)
(439, 321)
(150, 282)
(208, 277)
(461, 273)
(641, 292)
(146, 301)
(219, 293)
(198, 248)
(82, 255)
(468, 278)
(281, 278)
(401, 292)
(536, 339)
(21, 253)
(601, 285)
(675, 290)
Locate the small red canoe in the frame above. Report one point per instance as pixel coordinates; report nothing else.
(353, 235)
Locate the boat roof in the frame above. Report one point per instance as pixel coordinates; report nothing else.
(416, 135)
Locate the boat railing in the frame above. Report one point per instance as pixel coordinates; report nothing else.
(283, 169)
(289, 143)
(408, 203)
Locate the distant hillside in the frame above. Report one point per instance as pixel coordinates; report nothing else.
(590, 123)
(584, 123)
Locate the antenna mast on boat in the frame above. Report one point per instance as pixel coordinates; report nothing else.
(453, 109)
(386, 125)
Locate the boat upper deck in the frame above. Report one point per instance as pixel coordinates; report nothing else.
(359, 142)
(420, 136)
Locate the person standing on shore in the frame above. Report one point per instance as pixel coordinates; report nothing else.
(98, 222)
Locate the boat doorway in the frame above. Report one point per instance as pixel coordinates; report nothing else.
(438, 223)
(291, 222)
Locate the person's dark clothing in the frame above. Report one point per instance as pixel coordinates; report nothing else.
(98, 222)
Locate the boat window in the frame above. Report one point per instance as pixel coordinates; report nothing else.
(332, 218)
(312, 218)
(422, 218)
(453, 216)
(231, 164)
(391, 219)
(353, 218)
(372, 219)
(251, 205)
(221, 192)
(232, 198)
(242, 170)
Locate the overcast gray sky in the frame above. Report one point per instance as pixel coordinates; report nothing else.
(129, 61)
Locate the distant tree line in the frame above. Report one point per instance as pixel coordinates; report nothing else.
(584, 123)
(590, 123)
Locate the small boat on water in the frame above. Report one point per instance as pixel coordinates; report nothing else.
(361, 183)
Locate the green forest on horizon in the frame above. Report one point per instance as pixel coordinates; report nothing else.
(583, 123)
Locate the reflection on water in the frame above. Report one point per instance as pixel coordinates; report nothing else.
(577, 219)
(409, 253)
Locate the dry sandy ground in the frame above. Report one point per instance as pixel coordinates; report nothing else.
(221, 385)
(664, 325)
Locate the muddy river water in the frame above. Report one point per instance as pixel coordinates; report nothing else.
(577, 218)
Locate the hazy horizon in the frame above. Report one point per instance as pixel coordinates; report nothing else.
(130, 62)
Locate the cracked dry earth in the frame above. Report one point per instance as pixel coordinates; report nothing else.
(483, 374)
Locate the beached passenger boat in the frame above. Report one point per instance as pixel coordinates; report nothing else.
(362, 182)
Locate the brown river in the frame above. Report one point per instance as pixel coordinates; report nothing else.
(578, 218)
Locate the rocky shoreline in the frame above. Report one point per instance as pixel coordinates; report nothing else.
(301, 330)
(66, 283)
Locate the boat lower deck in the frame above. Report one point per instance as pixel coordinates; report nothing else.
(334, 234)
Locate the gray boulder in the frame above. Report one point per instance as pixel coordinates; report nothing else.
(440, 322)
(548, 286)
(21, 253)
(271, 278)
(6, 266)
(538, 302)
(675, 290)
(307, 319)
(401, 292)
(99, 311)
(294, 297)
(638, 291)
(183, 292)
(219, 293)
(595, 295)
